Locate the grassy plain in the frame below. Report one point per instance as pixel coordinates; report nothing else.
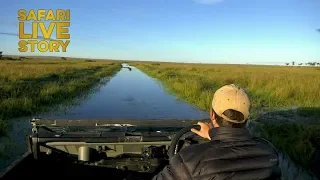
(34, 85)
(291, 92)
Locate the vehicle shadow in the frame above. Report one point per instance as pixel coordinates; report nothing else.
(296, 135)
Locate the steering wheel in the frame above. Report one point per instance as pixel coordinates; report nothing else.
(173, 149)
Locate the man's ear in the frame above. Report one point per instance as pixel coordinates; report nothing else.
(212, 115)
(213, 118)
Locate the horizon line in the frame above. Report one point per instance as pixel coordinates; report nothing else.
(166, 61)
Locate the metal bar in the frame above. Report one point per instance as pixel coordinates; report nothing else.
(65, 122)
(99, 139)
(60, 143)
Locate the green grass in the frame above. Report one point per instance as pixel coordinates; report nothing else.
(293, 139)
(270, 87)
(31, 86)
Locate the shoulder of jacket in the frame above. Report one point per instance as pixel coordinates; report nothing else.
(195, 148)
(265, 142)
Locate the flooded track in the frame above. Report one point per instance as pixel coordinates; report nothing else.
(130, 94)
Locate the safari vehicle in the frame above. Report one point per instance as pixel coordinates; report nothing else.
(111, 149)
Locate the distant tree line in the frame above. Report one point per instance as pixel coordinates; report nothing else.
(11, 58)
(307, 64)
(312, 64)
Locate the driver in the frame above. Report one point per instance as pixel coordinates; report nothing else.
(231, 153)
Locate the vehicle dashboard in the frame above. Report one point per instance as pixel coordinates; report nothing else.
(141, 149)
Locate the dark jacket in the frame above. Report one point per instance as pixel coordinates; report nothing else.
(232, 153)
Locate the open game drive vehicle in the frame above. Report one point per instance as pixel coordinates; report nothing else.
(106, 148)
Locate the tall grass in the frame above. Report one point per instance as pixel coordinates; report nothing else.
(31, 86)
(269, 87)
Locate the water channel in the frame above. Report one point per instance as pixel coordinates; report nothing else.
(129, 94)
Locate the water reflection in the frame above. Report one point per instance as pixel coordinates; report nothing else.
(130, 94)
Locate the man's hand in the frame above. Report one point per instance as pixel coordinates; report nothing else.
(204, 131)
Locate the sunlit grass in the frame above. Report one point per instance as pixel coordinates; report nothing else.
(31, 86)
(270, 88)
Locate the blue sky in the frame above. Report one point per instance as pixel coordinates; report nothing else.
(208, 31)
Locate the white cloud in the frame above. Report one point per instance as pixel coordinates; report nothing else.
(208, 1)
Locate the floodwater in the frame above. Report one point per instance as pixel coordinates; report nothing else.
(130, 94)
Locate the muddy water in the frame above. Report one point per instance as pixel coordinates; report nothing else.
(130, 94)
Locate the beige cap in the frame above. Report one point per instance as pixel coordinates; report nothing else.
(231, 97)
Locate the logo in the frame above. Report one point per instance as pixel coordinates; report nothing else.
(40, 37)
(273, 160)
